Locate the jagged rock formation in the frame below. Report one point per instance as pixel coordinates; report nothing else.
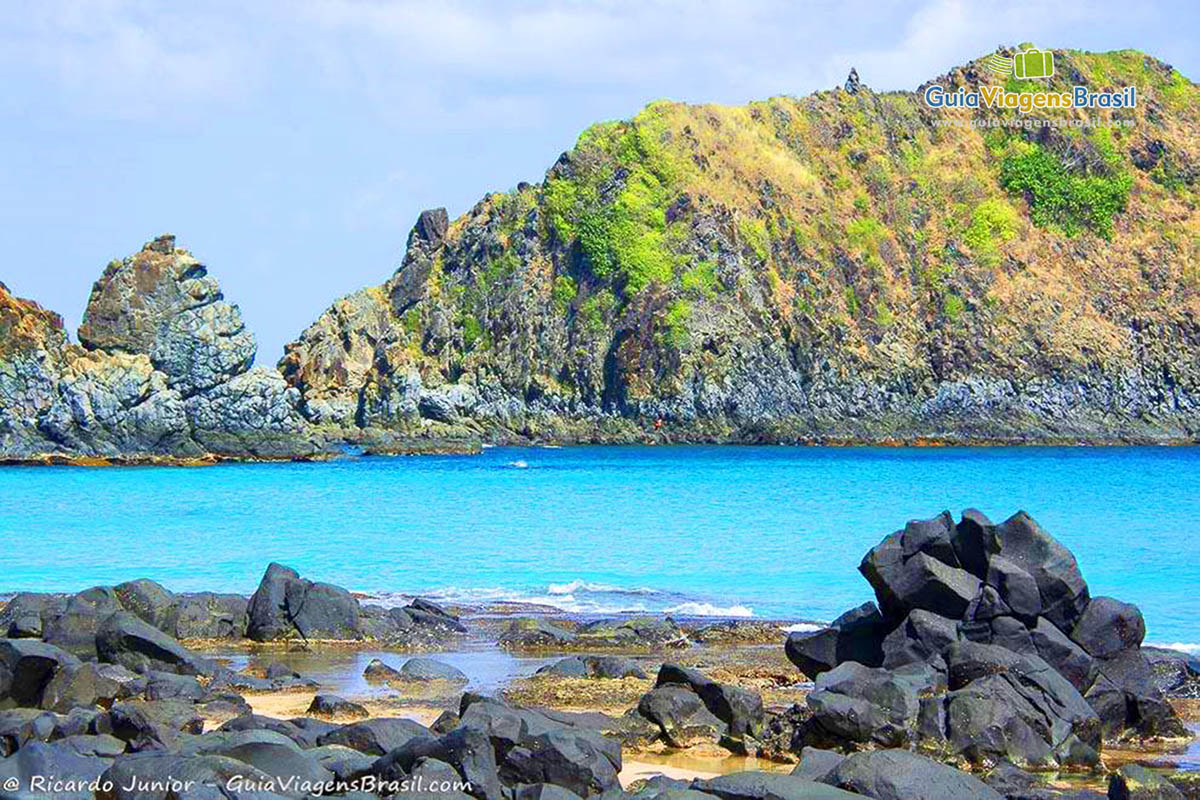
(852, 84)
(162, 302)
(164, 371)
(57, 397)
(843, 266)
(985, 646)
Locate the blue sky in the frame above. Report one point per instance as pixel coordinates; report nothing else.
(290, 145)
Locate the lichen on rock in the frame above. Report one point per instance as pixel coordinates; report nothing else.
(164, 372)
(162, 302)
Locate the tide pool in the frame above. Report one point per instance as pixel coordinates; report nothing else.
(773, 532)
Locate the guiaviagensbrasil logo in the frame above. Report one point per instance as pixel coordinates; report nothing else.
(1032, 63)
(1025, 65)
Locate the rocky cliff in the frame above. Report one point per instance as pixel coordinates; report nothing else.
(843, 266)
(849, 266)
(163, 371)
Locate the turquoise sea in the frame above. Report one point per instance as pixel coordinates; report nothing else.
(773, 532)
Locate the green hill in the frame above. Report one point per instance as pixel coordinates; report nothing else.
(846, 265)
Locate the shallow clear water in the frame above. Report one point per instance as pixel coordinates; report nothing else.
(488, 670)
(773, 531)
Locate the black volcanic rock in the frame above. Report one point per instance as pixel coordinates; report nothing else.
(286, 606)
(681, 716)
(1038, 670)
(134, 644)
(740, 709)
(856, 635)
(26, 667)
(1064, 593)
(376, 737)
(901, 775)
(1108, 626)
(903, 582)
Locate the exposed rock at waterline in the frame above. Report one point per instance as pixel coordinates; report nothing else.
(163, 371)
(286, 606)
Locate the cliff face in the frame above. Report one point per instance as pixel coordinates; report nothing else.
(843, 266)
(163, 371)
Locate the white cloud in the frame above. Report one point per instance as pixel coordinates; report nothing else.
(947, 33)
(122, 58)
(463, 63)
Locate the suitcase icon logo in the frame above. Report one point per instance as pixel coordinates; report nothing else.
(1034, 63)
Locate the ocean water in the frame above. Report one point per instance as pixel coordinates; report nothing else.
(772, 532)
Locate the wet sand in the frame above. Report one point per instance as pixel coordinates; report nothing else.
(689, 765)
(285, 705)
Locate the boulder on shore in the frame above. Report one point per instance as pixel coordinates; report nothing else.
(331, 705)
(903, 775)
(610, 667)
(378, 672)
(136, 645)
(535, 634)
(430, 669)
(686, 707)
(986, 645)
(286, 606)
(26, 668)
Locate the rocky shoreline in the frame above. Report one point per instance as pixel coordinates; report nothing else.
(985, 670)
(798, 270)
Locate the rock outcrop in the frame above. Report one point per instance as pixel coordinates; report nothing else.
(686, 708)
(985, 647)
(163, 303)
(163, 371)
(58, 398)
(800, 269)
(136, 622)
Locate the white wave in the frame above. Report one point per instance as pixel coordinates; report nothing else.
(803, 627)
(567, 588)
(600, 607)
(573, 597)
(458, 596)
(693, 609)
(518, 464)
(1183, 647)
(482, 594)
(566, 603)
(579, 585)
